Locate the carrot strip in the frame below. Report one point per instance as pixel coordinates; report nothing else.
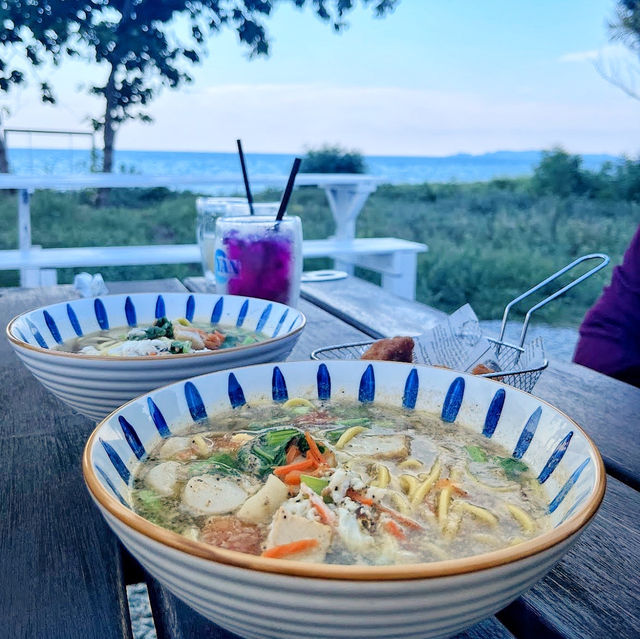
(443, 483)
(393, 528)
(367, 501)
(313, 448)
(305, 464)
(293, 478)
(361, 499)
(405, 521)
(326, 516)
(292, 453)
(290, 549)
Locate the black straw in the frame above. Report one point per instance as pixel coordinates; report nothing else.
(245, 177)
(287, 192)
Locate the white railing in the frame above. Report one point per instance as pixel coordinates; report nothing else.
(395, 259)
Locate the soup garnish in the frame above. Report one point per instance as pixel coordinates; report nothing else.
(163, 337)
(339, 483)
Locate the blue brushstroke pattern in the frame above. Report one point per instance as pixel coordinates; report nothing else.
(280, 323)
(158, 418)
(453, 400)
(191, 308)
(324, 382)
(367, 390)
(573, 508)
(118, 464)
(494, 412)
(73, 318)
(132, 438)
(194, 402)
(243, 313)
(555, 458)
(51, 324)
(527, 433)
(278, 386)
(216, 314)
(557, 500)
(101, 314)
(293, 324)
(109, 483)
(411, 387)
(130, 312)
(263, 318)
(160, 308)
(236, 394)
(21, 335)
(36, 333)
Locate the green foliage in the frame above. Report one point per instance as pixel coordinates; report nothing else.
(138, 43)
(562, 175)
(333, 159)
(559, 174)
(488, 242)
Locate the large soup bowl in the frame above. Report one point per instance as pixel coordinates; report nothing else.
(96, 385)
(279, 599)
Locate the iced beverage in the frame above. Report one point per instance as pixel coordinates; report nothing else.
(259, 257)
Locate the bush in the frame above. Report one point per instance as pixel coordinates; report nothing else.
(333, 159)
(559, 174)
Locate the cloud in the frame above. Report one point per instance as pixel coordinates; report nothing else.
(581, 56)
(287, 118)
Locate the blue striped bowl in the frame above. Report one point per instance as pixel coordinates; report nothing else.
(257, 597)
(96, 385)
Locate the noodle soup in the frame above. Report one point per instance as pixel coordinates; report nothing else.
(340, 483)
(163, 337)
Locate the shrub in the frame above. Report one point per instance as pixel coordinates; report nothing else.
(333, 159)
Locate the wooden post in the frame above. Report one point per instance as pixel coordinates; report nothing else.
(29, 277)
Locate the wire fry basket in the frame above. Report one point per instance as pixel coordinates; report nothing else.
(514, 364)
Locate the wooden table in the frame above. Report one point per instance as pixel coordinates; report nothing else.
(63, 574)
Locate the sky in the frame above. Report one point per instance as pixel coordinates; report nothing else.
(433, 78)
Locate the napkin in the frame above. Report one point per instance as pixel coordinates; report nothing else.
(90, 285)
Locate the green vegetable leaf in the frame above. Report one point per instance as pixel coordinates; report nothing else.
(315, 483)
(512, 468)
(476, 453)
(269, 449)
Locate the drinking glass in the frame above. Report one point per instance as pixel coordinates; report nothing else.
(209, 209)
(259, 257)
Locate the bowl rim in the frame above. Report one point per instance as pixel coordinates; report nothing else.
(16, 341)
(350, 572)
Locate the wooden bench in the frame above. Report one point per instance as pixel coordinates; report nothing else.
(394, 259)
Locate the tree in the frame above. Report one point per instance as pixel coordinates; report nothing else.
(135, 42)
(625, 29)
(333, 159)
(31, 33)
(559, 173)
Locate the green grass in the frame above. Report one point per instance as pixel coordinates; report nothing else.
(488, 242)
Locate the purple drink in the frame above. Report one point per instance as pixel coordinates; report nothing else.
(259, 258)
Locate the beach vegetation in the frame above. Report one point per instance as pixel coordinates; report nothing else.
(488, 241)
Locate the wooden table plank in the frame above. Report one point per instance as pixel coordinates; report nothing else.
(356, 302)
(594, 591)
(571, 388)
(61, 569)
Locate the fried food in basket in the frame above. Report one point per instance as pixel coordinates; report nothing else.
(392, 349)
(483, 369)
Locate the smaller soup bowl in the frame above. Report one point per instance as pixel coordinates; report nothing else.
(95, 385)
(259, 597)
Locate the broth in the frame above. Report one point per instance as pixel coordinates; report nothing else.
(339, 483)
(163, 337)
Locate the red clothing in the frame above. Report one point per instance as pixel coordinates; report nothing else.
(610, 332)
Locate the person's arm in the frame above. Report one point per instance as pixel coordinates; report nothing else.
(610, 332)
